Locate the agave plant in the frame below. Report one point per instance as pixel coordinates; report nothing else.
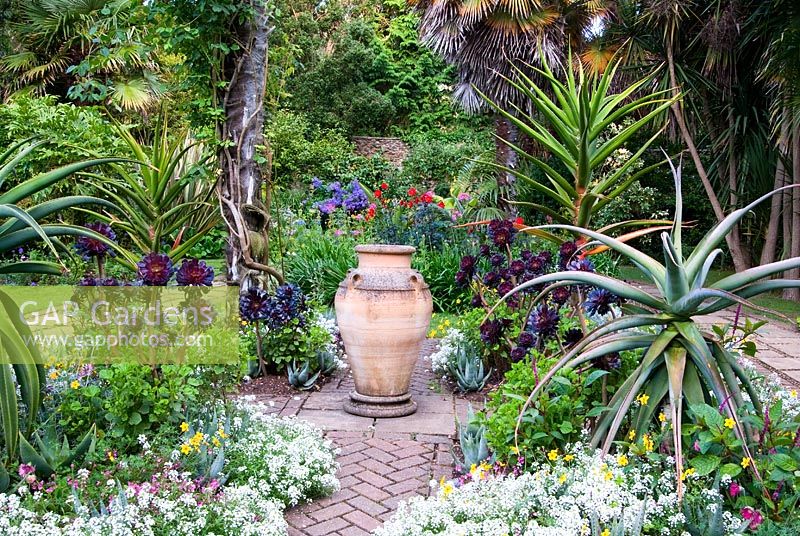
(301, 377)
(163, 198)
(577, 115)
(679, 361)
(472, 440)
(327, 362)
(468, 370)
(20, 365)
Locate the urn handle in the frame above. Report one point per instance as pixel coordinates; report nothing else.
(353, 279)
(416, 281)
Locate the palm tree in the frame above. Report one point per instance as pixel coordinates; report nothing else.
(485, 39)
(87, 50)
(704, 49)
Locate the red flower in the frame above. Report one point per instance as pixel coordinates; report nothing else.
(427, 197)
(518, 220)
(412, 192)
(441, 204)
(384, 186)
(378, 193)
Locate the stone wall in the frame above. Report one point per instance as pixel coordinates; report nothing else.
(394, 150)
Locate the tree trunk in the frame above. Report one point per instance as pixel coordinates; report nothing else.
(739, 260)
(794, 293)
(769, 253)
(240, 191)
(733, 187)
(507, 157)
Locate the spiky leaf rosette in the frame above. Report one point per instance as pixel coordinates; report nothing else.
(679, 362)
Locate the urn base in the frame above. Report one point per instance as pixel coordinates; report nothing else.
(380, 406)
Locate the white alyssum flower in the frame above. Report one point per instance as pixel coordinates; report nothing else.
(446, 351)
(553, 500)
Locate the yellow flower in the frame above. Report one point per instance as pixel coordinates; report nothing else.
(729, 423)
(196, 439)
(186, 448)
(514, 450)
(745, 462)
(184, 426)
(569, 458)
(642, 399)
(622, 460)
(53, 375)
(687, 473)
(609, 475)
(552, 455)
(432, 334)
(631, 435)
(458, 300)
(111, 456)
(647, 442)
(562, 478)
(605, 532)
(216, 442)
(662, 417)
(221, 433)
(75, 384)
(793, 393)
(447, 489)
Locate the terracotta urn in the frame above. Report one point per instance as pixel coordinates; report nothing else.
(383, 309)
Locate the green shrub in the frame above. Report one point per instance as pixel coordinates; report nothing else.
(126, 400)
(439, 268)
(557, 418)
(436, 159)
(301, 150)
(70, 128)
(318, 262)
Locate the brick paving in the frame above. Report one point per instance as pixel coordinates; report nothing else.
(381, 461)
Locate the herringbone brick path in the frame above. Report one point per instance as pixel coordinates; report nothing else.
(381, 461)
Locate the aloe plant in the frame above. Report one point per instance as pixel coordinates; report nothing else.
(574, 127)
(20, 365)
(49, 454)
(160, 199)
(679, 361)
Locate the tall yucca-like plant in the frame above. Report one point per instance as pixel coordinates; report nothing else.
(161, 199)
(679, 361)
(573, 122)
(21, 365)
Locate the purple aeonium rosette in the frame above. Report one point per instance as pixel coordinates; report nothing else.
(89, 247)
(194, 273)
(492, 330)
(155, 269)
(501, 232)
(599, 301)
(543, 321)
(254, 304)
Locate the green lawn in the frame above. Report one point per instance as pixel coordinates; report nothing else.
(768, 301)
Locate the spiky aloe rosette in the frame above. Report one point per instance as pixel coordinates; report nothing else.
(679, 361)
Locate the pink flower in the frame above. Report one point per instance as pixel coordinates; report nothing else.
(753, 516)
(463, 196)
(734, 489)
(696, 445)
(26, 469)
